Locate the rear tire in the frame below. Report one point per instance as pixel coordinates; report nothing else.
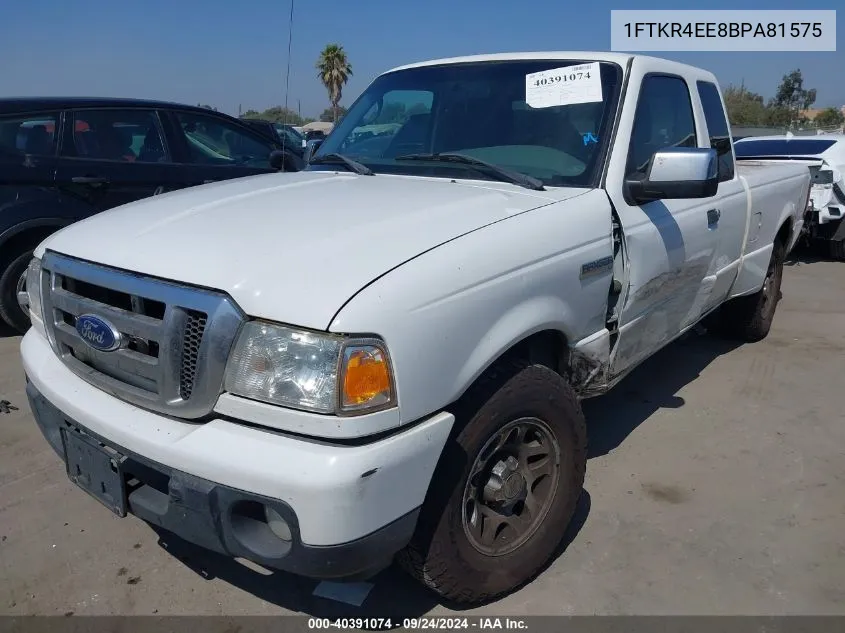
(837, 250)
(10, 279)
(505, 489)
(750, 318)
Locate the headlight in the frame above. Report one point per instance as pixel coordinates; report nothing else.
(33, 292)
(317, 372)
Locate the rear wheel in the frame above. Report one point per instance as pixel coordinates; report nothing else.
(13, 291)
(505, 489)
(837, 250)
(750, 318)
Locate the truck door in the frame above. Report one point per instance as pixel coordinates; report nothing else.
(670, 243)
(110, 157)
(733, 199)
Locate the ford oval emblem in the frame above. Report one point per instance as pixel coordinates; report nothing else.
(98, 333)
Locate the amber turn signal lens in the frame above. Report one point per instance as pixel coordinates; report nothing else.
(366, 377)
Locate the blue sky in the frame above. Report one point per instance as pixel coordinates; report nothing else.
(235, 53)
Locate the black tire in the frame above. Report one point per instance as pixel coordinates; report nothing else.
(750, 318)
(10, 310)
(837, 250)
(441, 555)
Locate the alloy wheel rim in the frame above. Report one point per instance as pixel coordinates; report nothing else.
(511, 486)
(20, 292)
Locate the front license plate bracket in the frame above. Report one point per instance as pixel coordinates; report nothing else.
(96, 469)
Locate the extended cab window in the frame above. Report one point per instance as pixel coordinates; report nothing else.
(31, 134)
(717, 128)
(663, 119)
(214, 141)
(128, 136)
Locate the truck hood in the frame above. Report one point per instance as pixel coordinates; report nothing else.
(292, 247)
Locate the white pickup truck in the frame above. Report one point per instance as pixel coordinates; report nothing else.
(384, 353)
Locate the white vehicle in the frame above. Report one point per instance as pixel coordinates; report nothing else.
(825, 156)
(384, 353)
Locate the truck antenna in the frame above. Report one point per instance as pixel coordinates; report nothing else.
(287, 75)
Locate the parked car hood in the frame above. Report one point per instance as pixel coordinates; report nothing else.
(292, 247)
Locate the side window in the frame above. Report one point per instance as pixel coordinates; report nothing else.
(717, 128)
(32, 134)
(126, 136)
(664, 118)
(214, 141)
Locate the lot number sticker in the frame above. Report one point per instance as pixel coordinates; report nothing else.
(564, 86)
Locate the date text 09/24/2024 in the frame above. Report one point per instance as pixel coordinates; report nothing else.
(431, 623)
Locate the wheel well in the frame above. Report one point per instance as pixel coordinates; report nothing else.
(784, 233)
(26, 239)
(547, 348)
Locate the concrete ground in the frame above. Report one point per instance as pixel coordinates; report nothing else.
(716, 485)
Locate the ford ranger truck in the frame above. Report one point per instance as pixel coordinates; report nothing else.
(382, 356)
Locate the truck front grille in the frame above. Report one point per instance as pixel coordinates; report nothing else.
(174, 339)
(191, 341)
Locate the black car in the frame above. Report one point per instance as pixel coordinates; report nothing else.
(284, 135)
(65, 159)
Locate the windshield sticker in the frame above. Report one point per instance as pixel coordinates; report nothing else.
(589, 137)
(564, 86)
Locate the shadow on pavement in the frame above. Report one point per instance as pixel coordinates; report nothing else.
(651, 386)
(611, 418)
(803, 254)
(394, 595)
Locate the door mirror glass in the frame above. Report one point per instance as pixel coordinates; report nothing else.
(680, 172)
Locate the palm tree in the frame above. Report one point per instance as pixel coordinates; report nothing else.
(334, 71)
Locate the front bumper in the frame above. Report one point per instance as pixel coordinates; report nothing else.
(227, 520)
(349, 507)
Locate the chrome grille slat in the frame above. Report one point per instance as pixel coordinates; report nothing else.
(122, 359)
(127, 322)
(176, 338)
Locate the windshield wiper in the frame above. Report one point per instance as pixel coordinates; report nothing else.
(506, 175)
(334, 157)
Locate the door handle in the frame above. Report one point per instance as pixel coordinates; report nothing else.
(713, 216)
(94, 181)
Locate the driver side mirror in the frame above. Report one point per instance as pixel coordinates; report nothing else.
(676, 173)
(310, 148)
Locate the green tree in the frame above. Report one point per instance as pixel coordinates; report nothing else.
(791, 96)
(829, 117)
(334, 70)
(276, 114)
(329, 114)
(744, 107)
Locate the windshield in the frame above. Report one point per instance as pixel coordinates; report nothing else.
(552, 126)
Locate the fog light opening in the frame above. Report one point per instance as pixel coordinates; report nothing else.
(277, 524)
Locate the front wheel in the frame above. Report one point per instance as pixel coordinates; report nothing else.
(505, 489)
